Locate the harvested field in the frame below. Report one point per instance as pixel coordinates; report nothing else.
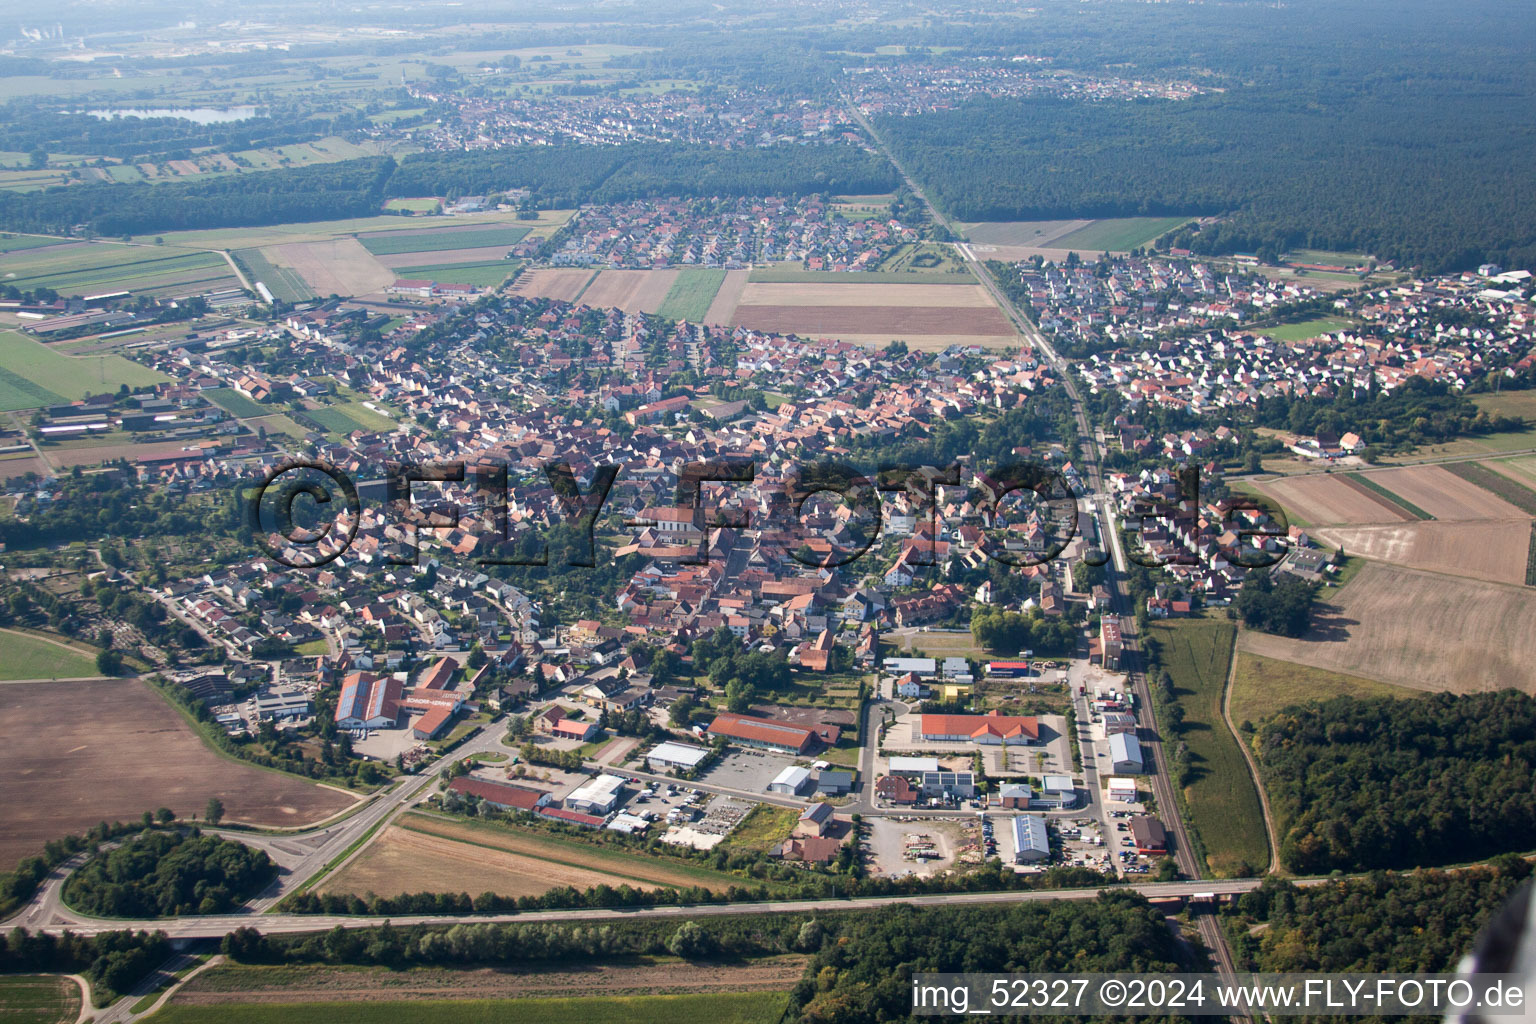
(340, 266)
(244, 983)
(112, 749)
(1494, 551)
(406, 260)
(1419, 630)
(1331, 499)
(633, 291)
(562, 283)
(1445, 495)
(728, 297)
(403, 860)
(713, 1007)
(94, 455)
(1021, 232)
(866, 296)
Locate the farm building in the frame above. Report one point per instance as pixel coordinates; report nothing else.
(499, 794)
(765, 733)
(991, 729)
(1031, 841)
(674, 756)
(833, 782)
(792, 781)
(368, 701)
(1149, 835)
(599, 795)
(1125, 754)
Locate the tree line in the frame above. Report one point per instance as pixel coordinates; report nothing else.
(1364, 784)
(557, 176)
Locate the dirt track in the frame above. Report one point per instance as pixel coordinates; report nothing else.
(238, 984)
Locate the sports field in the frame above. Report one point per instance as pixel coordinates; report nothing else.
(38, 999)
(734, 1008)
(692, 294)
(33, 375)
(1223, 802)
(389, 243)
(1307, 329)
(234, 403)
(349, 416)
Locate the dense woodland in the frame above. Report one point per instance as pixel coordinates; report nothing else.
(1428, 181)
(161, 874)
(1419, 922)
(1382, 783)
(25, 129)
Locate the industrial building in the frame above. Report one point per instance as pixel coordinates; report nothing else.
(596, 796)
(674, 756)
(993, 728)
(368, 701)
(764, 733)
(913, 765)
(955, 784)
(832, 782)
(1125, 754)
(1031, 841)
(792, 781)
(1149, 835)
(499, 794)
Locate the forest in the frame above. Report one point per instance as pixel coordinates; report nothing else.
(351, 188)
(1422, 180)
(1418, 412)
(162, 873)
(26, 129)
(566, 176)
(1423, 921)
(1359, 785)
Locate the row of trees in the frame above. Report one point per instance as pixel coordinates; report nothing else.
(1382, 783)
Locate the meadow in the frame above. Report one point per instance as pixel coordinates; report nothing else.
(33, 375)
(1222, 800)
(234, 403)
(30, 657)
(692, 294)
(1307, 329)
(1119, 234)
(1265, 686)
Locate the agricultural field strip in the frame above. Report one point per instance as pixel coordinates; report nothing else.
(1444, 493)
(692, 294)
(575, 854)
(393, 243)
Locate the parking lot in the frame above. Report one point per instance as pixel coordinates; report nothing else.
(748, 771)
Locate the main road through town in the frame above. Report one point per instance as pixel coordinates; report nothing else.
(1115, 570)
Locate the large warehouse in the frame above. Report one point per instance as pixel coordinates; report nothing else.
(674, 756)
(1031, 841)
(992, 728)
(1125, 754)
(596, 796)
(763, 732)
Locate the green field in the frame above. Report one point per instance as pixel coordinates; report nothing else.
(390, 243)
(927, 258)
(1264, 686)
(284, 283)
(31, 374)
(1118, 234)
(482, 274)
(691, 294)
(793, 273)
(726, 1008)
(86, 269)
(236, 404)
(15, 243)
(1307, 329)
(427, 205)
(38, 999)
(27, 657)
(349, 416)
(1223, 804)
